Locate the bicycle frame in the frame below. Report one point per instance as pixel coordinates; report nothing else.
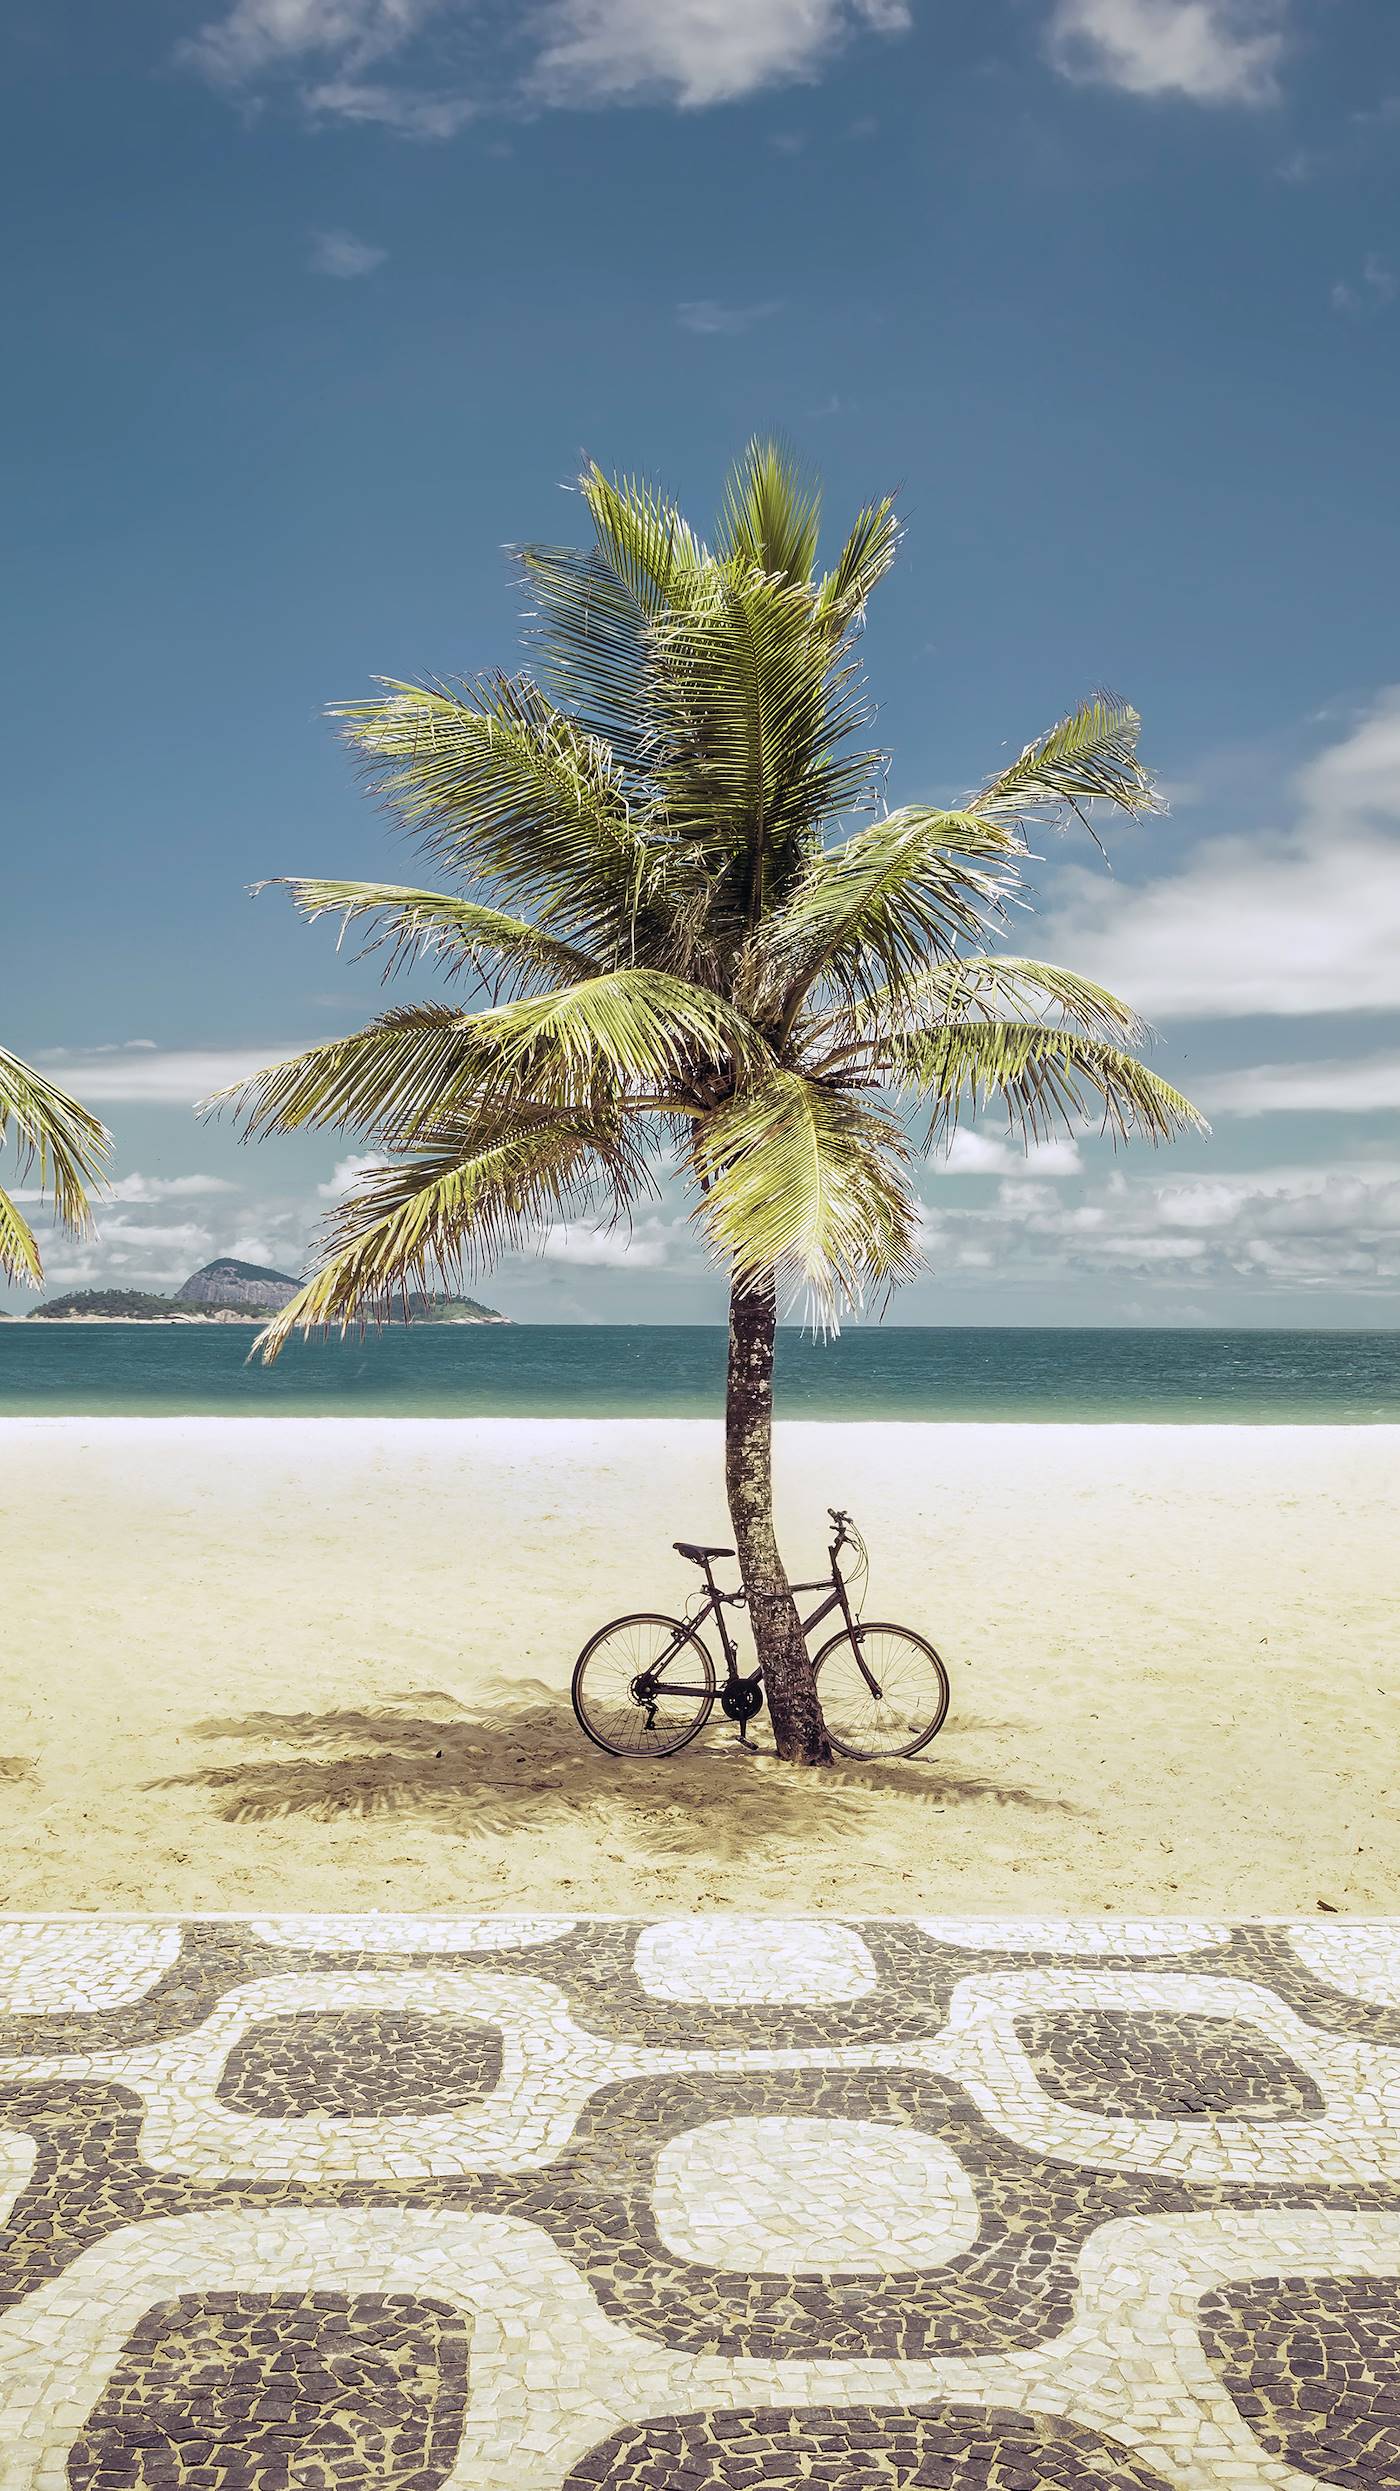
(714, 1606)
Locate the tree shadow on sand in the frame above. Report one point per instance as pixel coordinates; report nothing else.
(522, 1764)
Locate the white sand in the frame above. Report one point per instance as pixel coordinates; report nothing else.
(324, 1664)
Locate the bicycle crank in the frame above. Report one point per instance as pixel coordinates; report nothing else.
(741, 1701)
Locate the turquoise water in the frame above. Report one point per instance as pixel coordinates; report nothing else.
(617, 1371)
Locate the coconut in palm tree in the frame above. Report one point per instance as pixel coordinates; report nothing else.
(698, 938)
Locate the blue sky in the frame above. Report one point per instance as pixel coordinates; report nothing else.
(318, 303)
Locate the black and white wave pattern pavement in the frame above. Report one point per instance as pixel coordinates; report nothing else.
(317, 2203)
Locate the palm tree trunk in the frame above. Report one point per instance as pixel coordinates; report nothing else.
(798, 1728)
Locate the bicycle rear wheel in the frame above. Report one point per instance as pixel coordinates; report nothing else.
(905, 1707)
(643, 1687)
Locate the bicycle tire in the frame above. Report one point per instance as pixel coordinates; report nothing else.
(846, 1741)
(593, 1728)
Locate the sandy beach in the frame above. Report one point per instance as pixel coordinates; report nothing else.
(324, 1664)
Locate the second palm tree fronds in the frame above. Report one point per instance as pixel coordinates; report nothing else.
(56, 1140)
(691, 933)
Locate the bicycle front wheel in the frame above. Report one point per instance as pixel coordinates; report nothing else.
(883, 1690)
(643, 1686)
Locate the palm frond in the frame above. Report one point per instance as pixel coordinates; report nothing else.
(636, 1034)
(19, 1252)
(879, 904)
(505, 790)
(861, 564)
(754, 712)
(593, 609)
(55, 1137)
(806, 1180)
(454, 1209)
(462, 934)
(978, 986)
(1090, 757)
(770, 517)
(1047, 1080)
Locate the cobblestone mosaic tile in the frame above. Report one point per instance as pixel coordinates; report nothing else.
(1313, 2365)
(323, 2391)
(863, 2451)
(990, 2206)
(359, 2066)
(1153, 2066)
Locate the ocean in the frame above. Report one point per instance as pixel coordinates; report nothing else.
(677, 1371)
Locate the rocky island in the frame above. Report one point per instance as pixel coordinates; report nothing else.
(230, 1291)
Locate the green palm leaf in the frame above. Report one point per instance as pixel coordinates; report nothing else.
(983, 986)
(19, 1252)
(802, 1178)
(594, 609)
(1047, 1079)
(462, 934)
(637, 1034)
(860, 566)
(876, 906)
(1089, 758)
(770, 517)
(506, 791)
(59, 1140)
(454, 1209)
(754, 714)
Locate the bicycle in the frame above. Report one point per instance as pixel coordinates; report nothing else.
(884, 1690)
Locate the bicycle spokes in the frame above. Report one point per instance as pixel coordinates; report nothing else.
(644, 1686)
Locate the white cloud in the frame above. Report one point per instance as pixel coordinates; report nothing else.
(1211, 51)
(345, 1172)
(1291, 921)
(148, 1076)
(971, 1153)
(337, 53)
(1364, 1085)
(709, 319)
(410, 112)
(1374, 289)
(258, 35)
(695, 52)
(572, 1241)
(137, 1188)
(1288, 1228)
(339, 254)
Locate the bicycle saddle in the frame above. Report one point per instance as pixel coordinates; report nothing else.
(699, 1556)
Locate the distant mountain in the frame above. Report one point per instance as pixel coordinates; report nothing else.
(227, 1282)
(228, 1291)
(447, 1310)
(134, 1306)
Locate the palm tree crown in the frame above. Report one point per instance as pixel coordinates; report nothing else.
(693, 928)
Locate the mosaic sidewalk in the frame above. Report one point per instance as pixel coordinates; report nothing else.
(318, 2204)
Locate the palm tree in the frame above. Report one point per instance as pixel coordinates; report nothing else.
(684, 951)
(66, 1145)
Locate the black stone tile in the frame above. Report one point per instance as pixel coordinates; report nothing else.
(1147, 2064)
(361, 2064)
(1313, 2364)
(862, 2448)
(320, 2392)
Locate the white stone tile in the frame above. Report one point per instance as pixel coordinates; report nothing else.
(17, 2158)
(1079, 1937)
(780, 2196)
(1360, 1958)
(729, 1961)
(76, 1967)
(353, 1933)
